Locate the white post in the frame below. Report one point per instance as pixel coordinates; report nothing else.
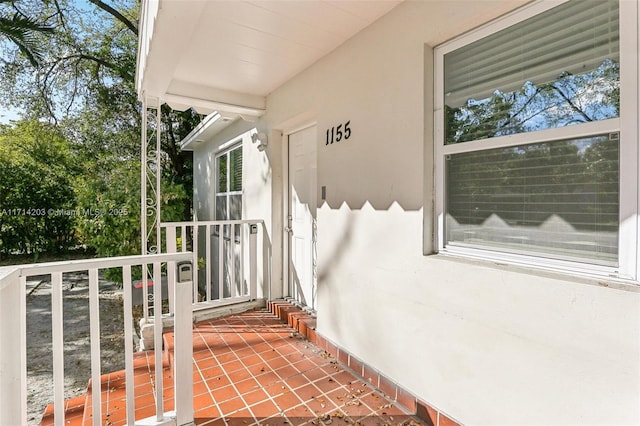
(143, 204)
(57, 336)
(183, 349)
(143, 181)
(158, 174)
(13, 362)
(94, 338)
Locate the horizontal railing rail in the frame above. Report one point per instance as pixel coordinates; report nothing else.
(227, 254)
(13, 363)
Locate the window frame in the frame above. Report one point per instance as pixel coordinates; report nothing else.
(628, 252)
(225, 151)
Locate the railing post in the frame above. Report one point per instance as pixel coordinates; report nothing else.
(253, 261)
(94, 338)
(183, 347)
(57, 335)
(13, 362)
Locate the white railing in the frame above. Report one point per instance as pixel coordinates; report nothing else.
(226, 253)
(13, 352)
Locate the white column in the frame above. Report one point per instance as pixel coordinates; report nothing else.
(13, 363)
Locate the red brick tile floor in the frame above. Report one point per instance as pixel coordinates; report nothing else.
(252, 369)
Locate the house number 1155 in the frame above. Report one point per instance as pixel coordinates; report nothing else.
(336, 134)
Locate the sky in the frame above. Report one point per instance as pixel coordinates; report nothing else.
(7, 114)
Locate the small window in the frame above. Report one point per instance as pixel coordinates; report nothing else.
(530, 152)
(228, 196)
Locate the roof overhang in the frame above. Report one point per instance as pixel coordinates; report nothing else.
(209, 126)
(227, 56)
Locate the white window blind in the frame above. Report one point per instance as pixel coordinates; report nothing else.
(574, 38)
(557, 199)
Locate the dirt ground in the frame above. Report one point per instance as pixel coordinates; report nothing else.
(77, 364)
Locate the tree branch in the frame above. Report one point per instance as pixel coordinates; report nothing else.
(120, 17)
(571, 104)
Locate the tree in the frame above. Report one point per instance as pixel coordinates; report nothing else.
(37, 201)
(21, 30)
(85, 85)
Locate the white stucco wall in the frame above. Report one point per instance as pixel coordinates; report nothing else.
(485, 344)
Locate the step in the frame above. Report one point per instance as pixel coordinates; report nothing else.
(74, 412)
(79, 411)
(301, 321)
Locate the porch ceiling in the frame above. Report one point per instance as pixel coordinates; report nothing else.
(227, 56)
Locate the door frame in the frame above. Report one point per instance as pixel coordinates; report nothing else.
(286, 241)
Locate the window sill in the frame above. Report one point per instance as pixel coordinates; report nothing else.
(597, 277)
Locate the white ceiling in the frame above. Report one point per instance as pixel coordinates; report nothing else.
(229, 55)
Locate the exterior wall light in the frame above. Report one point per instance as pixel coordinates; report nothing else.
(261, 140)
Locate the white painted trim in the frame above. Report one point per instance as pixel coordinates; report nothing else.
(206, 104)
(228, 146)
(548, 135)
(293, 126)
(628, 251)
(200, 129)
(223, 150)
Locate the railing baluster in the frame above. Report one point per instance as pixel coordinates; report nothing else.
(233, 289)
(157, 338)
(171, 248)
(236, 266)
(57, 326)
(128, 345)
(194, 230)
(171, 279)
(221, 257)
(94, 330)
(207, 262)
(243, 236)
(145, 291)
(253, 265)
(183, 237)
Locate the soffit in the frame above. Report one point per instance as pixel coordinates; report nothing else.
(229, 55)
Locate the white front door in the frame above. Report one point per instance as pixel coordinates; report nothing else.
(302, 215)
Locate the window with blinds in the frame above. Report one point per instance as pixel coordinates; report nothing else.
(557, 199)
(555, 69)
(555, 74)
(228, 197)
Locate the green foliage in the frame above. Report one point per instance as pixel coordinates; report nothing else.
(85, 87)
(22, 31)
(36, 193)
(111, 200)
